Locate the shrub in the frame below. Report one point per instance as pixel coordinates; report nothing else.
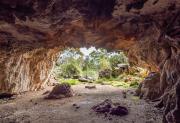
(105, 73)
(134, 84)
(70, 70)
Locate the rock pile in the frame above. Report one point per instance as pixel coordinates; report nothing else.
(109, 108)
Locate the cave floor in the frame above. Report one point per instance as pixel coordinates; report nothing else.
(32, 108)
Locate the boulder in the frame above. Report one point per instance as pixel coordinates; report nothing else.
(121, 68)
(60, 91)
(149, 88)
(86, 79)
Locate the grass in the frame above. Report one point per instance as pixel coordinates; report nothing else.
(123, 81)
(69, 81)
(119, 83)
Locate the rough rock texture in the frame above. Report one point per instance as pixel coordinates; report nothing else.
(147, 30)
(26, 71)
(108, 107)
(149, 88)
(60, 91)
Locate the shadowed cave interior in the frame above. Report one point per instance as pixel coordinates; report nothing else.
(34, 32)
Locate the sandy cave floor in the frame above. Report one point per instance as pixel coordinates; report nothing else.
(32, 108)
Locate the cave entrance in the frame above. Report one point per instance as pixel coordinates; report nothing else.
(97, 66)
(100, 81)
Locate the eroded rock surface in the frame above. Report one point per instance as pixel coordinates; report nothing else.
(147, 30)
(108, 107)
(60, 91)
(149, 88)
(26, 71)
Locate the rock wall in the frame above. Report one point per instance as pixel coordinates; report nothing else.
(28, 71)
(169, 85)
(149, 88)
(147, 30)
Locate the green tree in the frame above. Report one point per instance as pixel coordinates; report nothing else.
(117, 58)
(72, 62)
(99, 58)
(69, 64)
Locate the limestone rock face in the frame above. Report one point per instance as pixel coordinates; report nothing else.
(147, 30)
(27, 71)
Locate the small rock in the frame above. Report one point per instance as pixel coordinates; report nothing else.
(77, 107)
(105, 115)
(119, 111)
(110, 118)
(74, 105)
(90, 86)
(124, 94)
(47, 92)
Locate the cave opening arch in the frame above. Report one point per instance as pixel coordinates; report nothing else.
(31, 33)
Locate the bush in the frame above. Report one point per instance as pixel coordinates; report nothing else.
(105, 73)
(134, 84)
(70, 70)
(90, 73)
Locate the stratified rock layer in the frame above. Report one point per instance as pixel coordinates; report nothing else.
(147, 30)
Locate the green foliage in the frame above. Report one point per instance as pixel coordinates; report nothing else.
(134, 84)
(90, 73)
(120, 84)
(99, 59)
(70, 70)
(104, 64)
(123, 81)
(69, 64)
(70, 81)
(72, 63)
(117, 58)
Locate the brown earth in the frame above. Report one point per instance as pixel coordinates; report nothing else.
(32, 108)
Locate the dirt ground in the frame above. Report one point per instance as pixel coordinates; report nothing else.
(32, 108)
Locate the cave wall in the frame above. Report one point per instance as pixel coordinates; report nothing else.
(147, 30)
(27, 71)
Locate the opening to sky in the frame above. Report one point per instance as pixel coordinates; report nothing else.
(87, 51)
